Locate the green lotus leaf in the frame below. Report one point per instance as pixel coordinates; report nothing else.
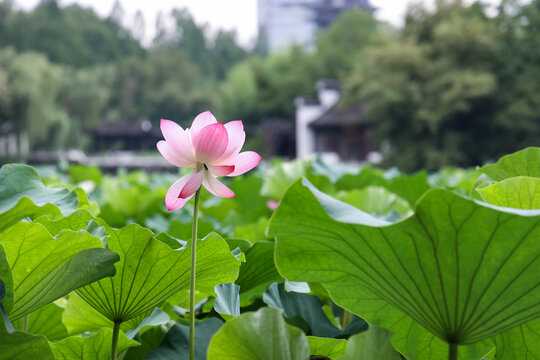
(367, 176)
(156, 318)
(45, 268)
(521, 192)
(47, 321)
(95, 347)
(80, 173)
(373, 344)
(6, 291)
(150, 340)
(376, 200)
(464, 271)
(331, 348)
(176, 342)
(519, 343)
(253, 232)
(410, 187)
(525, 162)
(23, 194)
(80, 317)
(23, 346)
(407, 187)
(227, 302)
(261, 335)
(304, 306)
(258, 272)
(281, 176)
(150, 271)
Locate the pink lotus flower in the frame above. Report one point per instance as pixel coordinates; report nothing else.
(211, 149)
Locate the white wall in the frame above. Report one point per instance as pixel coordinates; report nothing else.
(305, 138)
(306, 114)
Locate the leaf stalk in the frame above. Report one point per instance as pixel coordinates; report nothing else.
(192, 280)
(116, 332)
(452, 351)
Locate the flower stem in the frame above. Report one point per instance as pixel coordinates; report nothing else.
(192, 282)
(452, 351)
(116, 332)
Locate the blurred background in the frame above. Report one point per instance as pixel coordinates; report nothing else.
(413, 85)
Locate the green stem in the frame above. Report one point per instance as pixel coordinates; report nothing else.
(25, 324)
(452, 351)
(116, 332)
(192, 283)
(346, 319)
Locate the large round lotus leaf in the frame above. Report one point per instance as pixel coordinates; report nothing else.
(150, 271)
(464, 271)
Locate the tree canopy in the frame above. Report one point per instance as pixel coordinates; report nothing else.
(453, 86)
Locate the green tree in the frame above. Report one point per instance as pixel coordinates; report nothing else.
(259, 89)
(433, 91)
(518, 71)
(166, 84)
(336, 46)
(72, 35)
(226, 52)
(30, 104)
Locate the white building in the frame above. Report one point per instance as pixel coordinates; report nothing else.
(308, 110)
(283, 23)
(324, 128)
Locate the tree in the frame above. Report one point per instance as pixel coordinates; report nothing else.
(518, 70)
(166, 84)
(337, 45)
(258, 89)
(214, 56)
(138, 27)
(30, 104)
(431, 91)
(226, 52)
(117, 14)
(72, 35)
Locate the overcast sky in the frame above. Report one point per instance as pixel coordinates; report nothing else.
(233, 14)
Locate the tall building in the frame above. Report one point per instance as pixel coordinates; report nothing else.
(283, 23)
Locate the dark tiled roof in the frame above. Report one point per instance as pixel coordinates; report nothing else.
(338, 116)
(125, 129)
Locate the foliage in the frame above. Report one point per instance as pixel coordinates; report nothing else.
(455, 86)
(435, 84)
(260, 89)
(31, 86)
(72, 35)
(410, 267)
(351, 32)
(65, 71)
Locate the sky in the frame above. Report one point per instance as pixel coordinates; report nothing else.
(232, 14)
